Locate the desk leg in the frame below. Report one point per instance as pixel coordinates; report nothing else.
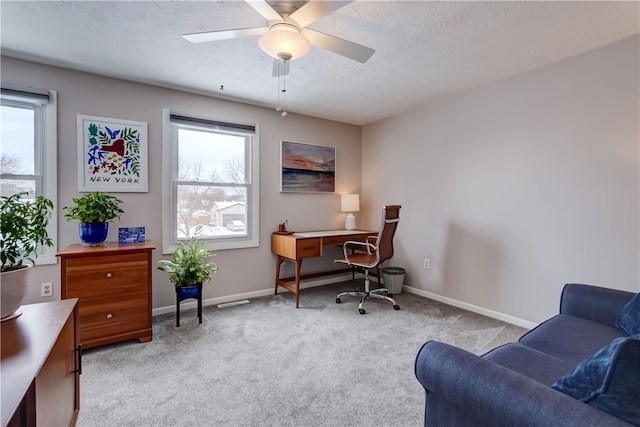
(298, 266)
(288, 286)
(279, 261)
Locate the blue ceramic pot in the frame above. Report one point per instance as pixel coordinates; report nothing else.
(188, 291)
(93, 234)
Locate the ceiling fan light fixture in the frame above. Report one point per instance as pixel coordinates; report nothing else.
(283, 39)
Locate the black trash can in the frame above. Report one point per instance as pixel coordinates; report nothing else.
(393, 279)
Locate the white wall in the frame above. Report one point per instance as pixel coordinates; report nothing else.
(511, 190)
(518, 187)
(241, 270)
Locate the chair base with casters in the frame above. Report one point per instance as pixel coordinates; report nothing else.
(380, 293)
(368, 255)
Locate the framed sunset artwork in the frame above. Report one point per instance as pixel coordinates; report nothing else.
(307, 168)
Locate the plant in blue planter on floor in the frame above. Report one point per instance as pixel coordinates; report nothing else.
(191, 264)
(190, 267)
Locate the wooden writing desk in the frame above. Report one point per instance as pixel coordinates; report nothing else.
(298, 246)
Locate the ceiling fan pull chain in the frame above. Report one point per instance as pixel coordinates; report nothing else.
(278, 107)
(284, 93)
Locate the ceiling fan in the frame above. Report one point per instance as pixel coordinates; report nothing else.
(285, 37)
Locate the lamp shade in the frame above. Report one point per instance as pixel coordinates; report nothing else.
(350, 203)
(284, 38)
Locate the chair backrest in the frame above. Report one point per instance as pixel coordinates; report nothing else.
(384, 242)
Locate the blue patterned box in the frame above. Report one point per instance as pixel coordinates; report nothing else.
(127, 235)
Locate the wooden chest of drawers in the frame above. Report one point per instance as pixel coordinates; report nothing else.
(113, 284)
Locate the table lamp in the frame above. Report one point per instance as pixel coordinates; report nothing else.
(350, 203)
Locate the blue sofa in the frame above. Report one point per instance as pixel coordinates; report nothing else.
(511, 384)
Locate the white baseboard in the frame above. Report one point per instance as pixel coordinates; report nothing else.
(473, 308)
(248, 295)
(340, 278)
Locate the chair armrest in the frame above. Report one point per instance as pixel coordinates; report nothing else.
(493, 395)
(350, 245)
(594, 303)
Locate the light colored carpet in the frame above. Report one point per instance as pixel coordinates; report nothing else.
(268, 364)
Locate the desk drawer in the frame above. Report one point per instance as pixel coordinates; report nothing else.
(309, 248)
(340, 240)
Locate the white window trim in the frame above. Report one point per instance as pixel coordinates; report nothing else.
(169, 152)
(50, 176)
(49, 155)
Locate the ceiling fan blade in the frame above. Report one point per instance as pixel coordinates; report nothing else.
(264, 9)
(314, 10)
(337, 45)
(280, 67)
(209, 36)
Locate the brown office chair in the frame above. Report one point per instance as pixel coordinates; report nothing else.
(368, 255)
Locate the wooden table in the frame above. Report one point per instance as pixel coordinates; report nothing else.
(41, 364)
(298, 246)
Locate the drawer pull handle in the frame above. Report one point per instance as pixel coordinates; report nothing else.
(78, 359)
(109, 274)
(109, 316)
(309, 247)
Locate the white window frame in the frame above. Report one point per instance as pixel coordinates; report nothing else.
(45, 107)
(169, 190)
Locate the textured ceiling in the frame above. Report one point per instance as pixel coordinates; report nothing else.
(424, 50)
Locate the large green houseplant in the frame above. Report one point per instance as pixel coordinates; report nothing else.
(191, 264)
(94, 210)
(23, 227)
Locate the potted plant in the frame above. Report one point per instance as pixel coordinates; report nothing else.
(23, 226)
(189, 268)
(94, 210)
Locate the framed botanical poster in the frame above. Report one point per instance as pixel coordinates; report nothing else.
(112, 155)
(307, 168)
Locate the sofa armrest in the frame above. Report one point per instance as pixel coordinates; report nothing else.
(594, 303)
(492, 395)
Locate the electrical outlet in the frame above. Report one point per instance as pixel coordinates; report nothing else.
(427, 264)
(46, 289)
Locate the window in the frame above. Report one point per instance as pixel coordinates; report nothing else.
(210, 182)
(28, 157)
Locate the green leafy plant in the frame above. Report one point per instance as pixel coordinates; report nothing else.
(191, 264)
(23, 226)
(94, 207)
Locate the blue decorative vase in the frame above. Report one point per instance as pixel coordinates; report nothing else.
(188, 291)
(93, 233)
